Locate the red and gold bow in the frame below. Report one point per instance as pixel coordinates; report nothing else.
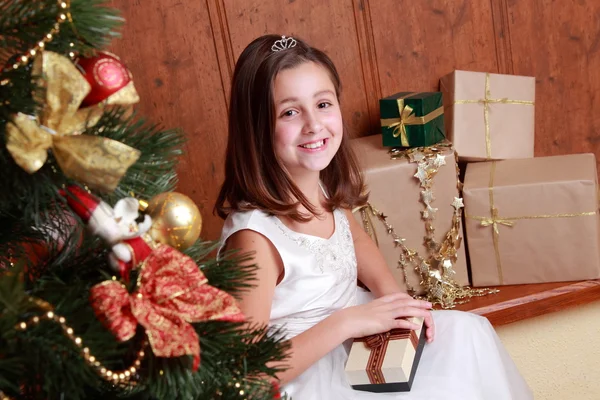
(172, 293)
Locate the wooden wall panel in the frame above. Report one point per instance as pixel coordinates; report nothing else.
(417, 42)
(327, 25)
(169, 47)
(182, 56)
(559, 44)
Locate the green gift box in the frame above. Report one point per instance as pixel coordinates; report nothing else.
(410, 119)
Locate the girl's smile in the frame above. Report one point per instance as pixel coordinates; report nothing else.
(314, 146)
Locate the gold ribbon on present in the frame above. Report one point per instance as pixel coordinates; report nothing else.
(494, 220)
(486, 101)
(407, 117)
(97, 161)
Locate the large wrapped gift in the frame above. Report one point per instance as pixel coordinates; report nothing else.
(489, 116)
(412, 119)
(386, 362)
(532, 220)
(415, 217)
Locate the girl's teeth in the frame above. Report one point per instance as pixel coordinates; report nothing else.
(313, 145)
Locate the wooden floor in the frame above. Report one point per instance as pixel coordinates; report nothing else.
(518, 302)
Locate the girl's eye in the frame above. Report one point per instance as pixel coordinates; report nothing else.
(324, 104)
(289, 113)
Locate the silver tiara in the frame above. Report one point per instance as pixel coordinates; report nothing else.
(284, 43)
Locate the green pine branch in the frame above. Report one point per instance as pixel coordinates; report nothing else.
(24, 23)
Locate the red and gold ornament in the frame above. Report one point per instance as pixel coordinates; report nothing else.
(106, 75)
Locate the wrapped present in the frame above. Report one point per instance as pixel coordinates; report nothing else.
(386, 362)
(414, 216)
(532, 220)
(489, 116)
(412, 119)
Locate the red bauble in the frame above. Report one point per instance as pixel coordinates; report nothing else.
(106, 75)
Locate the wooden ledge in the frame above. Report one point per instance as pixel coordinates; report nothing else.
(517, 302)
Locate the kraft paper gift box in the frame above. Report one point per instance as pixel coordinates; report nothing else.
(532, 220)
(489, 116)
(411, 119)
(395, 191)
(386, 362)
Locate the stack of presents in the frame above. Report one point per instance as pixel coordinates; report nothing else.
(526, 220)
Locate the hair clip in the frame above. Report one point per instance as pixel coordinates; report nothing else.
(283, 43)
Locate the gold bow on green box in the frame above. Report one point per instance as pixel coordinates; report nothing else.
(96, 161)
(412, 119)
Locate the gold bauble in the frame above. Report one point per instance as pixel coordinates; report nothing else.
(176, 220)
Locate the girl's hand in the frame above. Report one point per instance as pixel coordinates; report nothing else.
(384, 314)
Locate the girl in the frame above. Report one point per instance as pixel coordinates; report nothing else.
(290, 183)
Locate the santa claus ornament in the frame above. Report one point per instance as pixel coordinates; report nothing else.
(118, 226)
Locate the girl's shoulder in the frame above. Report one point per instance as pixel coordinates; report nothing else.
(256, 220)
(244, 219)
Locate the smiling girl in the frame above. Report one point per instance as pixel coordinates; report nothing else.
(290, 183)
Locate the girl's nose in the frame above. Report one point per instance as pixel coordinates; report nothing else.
(312, 124)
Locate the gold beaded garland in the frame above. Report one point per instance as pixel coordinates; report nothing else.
(64, 15)
(124, 377)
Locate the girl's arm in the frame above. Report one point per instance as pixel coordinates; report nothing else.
(308, 347)
(373, 270)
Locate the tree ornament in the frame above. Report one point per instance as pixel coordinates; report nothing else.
(118, 226)
(176, 220)
(96, 161)
(171, 293)
(107, 76)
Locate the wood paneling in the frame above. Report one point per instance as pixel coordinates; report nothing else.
(170, 48)
(417, 42)
(182, 55)
(327, 25)
(559, 44)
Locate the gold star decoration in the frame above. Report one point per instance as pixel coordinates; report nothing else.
(439, 160)
(416, 156)
(421, 174)
(458, 203)
(427, 196)
(429, 213)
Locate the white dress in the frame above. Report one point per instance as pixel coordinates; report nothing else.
(466, 360)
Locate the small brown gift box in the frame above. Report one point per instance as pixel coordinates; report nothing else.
(532, 220)
(489, 116)
(396, 192)
(386, 362)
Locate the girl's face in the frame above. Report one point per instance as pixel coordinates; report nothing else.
(308, 120)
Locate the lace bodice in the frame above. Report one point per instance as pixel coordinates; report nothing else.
(319, 274)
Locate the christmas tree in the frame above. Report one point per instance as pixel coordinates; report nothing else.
(106, 290)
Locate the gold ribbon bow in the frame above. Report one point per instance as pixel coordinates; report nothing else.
(97, 161)
(495, 220)
(407, 117)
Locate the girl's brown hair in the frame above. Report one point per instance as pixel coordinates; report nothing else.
(254, 176)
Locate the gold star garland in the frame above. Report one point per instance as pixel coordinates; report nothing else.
(436, 270)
